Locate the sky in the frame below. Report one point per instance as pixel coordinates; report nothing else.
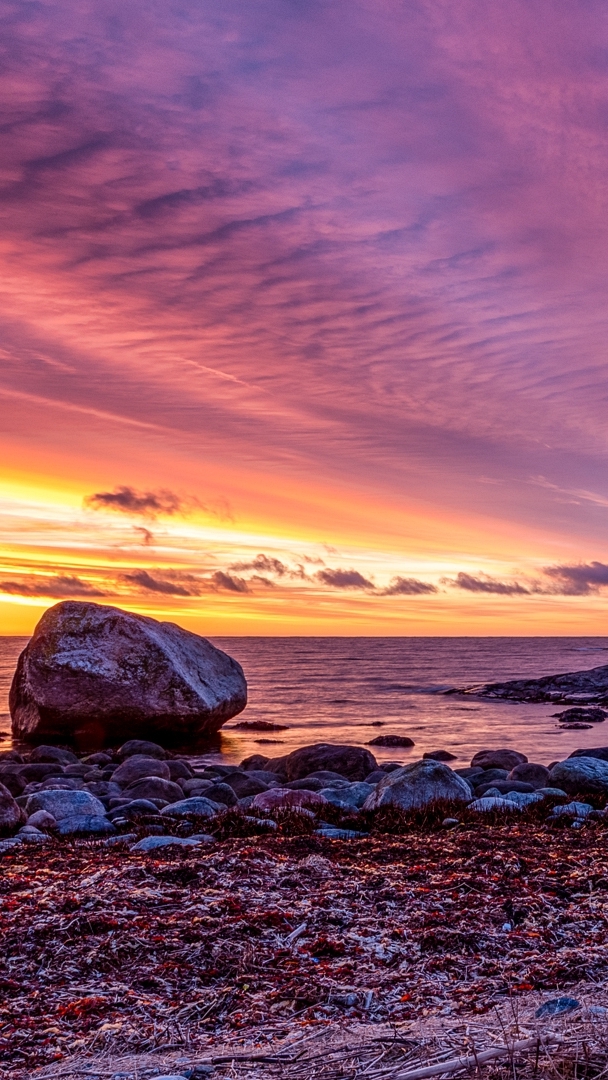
(303, 314)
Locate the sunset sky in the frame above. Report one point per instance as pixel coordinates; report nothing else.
(305, 314)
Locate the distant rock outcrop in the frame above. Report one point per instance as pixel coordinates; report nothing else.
(95, 675)
(573, 688)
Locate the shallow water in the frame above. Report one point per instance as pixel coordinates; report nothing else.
(338, 689)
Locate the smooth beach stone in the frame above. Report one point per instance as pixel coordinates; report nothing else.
(439, 755)
(331, 832)
(268, 778)
(470, 772)
(350, 762)
(103, 789)
(134, 809)
(41, 819)
(200, 806)
(374, 777)
(31, 835)
(254, 761)
(9, 844)
(551, 792)
(418, 785)
(10, 812)
(79, 769)
(599, 752)
(137, 767)
(179, 770)
(390, 766)
(504, 786)
(279, 798)
(572, 809)
(141, 747)
(153, 843)
(522, 798)
(95, 673)
(487, 804)
(55, 754)
(310, 783)
(98, 759)
(65, 804)
(85, 825)
(245, 784)
(581, 774)
(529, 773)
(498, 759)
(196, 785)
(61, 783)
(37, 771)
(124, 840)
(353, 795)
(154, 787)
(11, 755)
(222, 793)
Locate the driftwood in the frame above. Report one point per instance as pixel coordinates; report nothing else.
(472, 1061)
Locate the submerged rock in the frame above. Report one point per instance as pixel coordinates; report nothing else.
(418, 785)
(93, 674)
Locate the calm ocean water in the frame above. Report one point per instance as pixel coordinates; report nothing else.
(338, 689)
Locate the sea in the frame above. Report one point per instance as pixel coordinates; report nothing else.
(350, 690)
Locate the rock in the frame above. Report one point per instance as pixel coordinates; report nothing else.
(331, 832)
(537, 775)
(124, 840)
(498, 759)
(153, 843)
(53, 754)
(41, 819)
(30, 835)
(39, 771)
(143, 747)
(353, 795)
(244, 784)
(101, 759)
(10, 812)
(374, 777)
(255, 761)
(103, 789)
(572, 809)
(221, 793)
(9, 844)
(521, 798)
(390, 766)
(449, 823)
(199, 806)
(557, 1007)
(133, 810)
(84, 825)
(280, 798)
(489, 805)
(265, 776)
(585, 716)
(551, 792)
(196, 786)
(439, 755)
(599, 752)
(77, 770)
(504, 787)
(180, 770)
(11, 755)
(65, 804)
(572, 688)
(61, 783)
(468, 773)
(92, 672)
(419, 785)
(351, 762)
(154, 787)
(584, 774)
(391, 740)
(137, 767)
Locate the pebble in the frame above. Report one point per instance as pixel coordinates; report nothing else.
(557, 1006)
(488, 804)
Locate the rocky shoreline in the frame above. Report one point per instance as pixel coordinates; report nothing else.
(572, 688)
(144, 798)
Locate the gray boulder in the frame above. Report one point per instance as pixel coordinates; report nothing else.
(419, 785)
(10, 812)
(140, 746)
(41, 820)
(198, 805)
(65, 804)
(352, 795)
(529, 773)
(350, 762)
(498, 759)
(92, 673)
(154, 787)
(85, 825)
(138, 766)
(492, 803)
(152, 843)
(580, 774)
(222, 793)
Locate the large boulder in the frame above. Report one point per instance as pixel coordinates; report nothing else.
(351, 762)
(283, 798)
(530, 773)
(498, 759)
(587, 775)
(599, 752)
(10, 812)
(419, 785)
(94, 674)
